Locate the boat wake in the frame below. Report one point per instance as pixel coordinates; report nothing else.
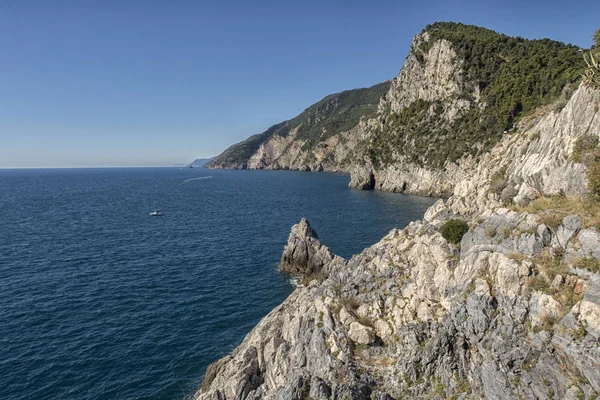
(197, 179)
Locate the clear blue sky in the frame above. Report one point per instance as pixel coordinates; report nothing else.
(149, 82)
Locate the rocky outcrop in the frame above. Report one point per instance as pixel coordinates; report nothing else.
(411, 179)
(295, 153)
(362, 177)
(438, 76)
(511, 312)
(431, 126)
(322, 138)
(414, 317)
(534, 160)
(305, 255)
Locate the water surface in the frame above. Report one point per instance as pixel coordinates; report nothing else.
(98, 300)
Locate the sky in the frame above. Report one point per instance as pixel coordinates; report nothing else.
(152, 83)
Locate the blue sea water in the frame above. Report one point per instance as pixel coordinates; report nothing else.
(98, 300)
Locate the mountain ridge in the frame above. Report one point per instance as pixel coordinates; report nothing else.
(199, 162)
(334, 113)
(507, 308)
(443, 107)
(495, 294)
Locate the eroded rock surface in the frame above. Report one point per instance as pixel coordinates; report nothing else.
(413, 316)
(513, 312)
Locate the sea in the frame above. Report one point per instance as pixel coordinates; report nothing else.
(100, 300)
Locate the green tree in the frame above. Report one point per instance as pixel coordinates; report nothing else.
(596, 38)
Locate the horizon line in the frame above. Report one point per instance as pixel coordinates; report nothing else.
(101, 166)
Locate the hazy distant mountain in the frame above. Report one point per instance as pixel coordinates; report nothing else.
(199, 162)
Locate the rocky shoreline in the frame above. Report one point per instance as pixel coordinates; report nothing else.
(397, 149)
(512, 311)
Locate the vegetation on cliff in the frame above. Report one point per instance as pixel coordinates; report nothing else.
(237, 155)
(453, 230)
(335, 113)
(504, 78)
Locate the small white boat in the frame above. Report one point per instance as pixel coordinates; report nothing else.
(157, 213)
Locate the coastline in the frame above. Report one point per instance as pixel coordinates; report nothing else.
(383, 323)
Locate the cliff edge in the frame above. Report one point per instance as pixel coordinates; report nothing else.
(460, 91)
(512, 310)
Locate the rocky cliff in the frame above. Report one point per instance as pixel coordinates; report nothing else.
(320, 138)
(511, 311)
(460, 90)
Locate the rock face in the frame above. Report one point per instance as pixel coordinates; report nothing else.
(439, 78)
(513, 312)
(534, 160)
(362, 177)
(323, 137)
(436, 77)
(304, 254)
(468, 325)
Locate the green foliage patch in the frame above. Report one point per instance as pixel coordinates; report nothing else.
(453, 230)
(513, 77)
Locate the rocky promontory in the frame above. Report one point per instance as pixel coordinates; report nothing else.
(511, 310)
(460, 91)
(495, 294)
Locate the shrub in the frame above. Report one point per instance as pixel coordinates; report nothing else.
(499, 181)
(565, 96)
(583, 149)
(547, 324)
(351, 303)
(559, 105)
(453, 230)
(587, 151)
(366, 321)
(491, 231)
(508, 194)
(593, 180)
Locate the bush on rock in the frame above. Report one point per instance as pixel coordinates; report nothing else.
(453, 230)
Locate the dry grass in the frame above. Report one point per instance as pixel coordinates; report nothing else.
(517, 256)
(588, 263)
(548, 267)
(548, 322)
(551, 264)
(530, 118)
(491, 231)
(552, 210)
(366, 321)
(384, 361)
(350, 303)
